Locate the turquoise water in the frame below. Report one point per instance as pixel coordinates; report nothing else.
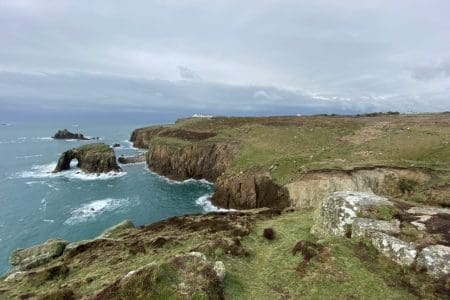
(36, 204)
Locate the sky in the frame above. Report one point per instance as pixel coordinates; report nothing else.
(241, 57)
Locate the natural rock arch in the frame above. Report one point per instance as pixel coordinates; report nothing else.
(92, 158)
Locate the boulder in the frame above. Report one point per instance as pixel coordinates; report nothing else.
(435, 260)
(116, 145)
(117, 229)
(403, 253)
(364, 227)
(92, 158)
(24, 259)
(67, 135)
(132, 159)
(337, 213)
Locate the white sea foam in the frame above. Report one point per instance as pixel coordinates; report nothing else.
(46, 171)
(205, 202)
(90, 211)
(187, 181)
(45, 138)
(28, 156)
(49, 221)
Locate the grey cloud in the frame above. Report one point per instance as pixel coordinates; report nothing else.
(266, 54)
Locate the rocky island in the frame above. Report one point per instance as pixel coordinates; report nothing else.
(92, 158)
(342, 207)
(67, 135)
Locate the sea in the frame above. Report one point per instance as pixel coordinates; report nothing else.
(36, 204)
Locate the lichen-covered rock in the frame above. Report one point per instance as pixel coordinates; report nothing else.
(92, 158)
(15, 276)
(364, 227)
(219, 268)
(337, 212)
(435, 260)
(403, 253)
(117, 229)
(24, 259)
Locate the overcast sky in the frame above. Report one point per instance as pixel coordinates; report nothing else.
(225, 57)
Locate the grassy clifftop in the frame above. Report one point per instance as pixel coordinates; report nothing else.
(289, 146)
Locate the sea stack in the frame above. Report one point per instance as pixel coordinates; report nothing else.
(92, 158)
(67, 135)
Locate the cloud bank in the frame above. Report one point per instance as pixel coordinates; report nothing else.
(225, 57)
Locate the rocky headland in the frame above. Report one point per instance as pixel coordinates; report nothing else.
(329, 207)
(92, 158)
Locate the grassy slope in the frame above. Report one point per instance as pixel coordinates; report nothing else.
(351, 271)
(354, 271)
(291, 145)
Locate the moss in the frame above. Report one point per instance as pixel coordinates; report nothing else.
(383, 212)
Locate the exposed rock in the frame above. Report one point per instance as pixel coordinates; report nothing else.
(15, 276)
(219, 268)
(67, 135)
(24, 259)
(249, 190)
(141, 137)
(117, 229)
(364, 227)
(116, 145)
(314, 186)
(435, 260)
(428, 210)
(339, 210)
(132, 159)
(403, 253)
(92, 158)
(196, 161)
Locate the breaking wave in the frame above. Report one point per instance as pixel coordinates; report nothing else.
(90, 211)
(46, 171)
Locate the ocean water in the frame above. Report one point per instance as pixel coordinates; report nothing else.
(36, 204)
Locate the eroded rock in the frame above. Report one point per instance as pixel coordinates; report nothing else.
(364, 227)
(132, 159)
(24, 259)
(337, 213)
(435, 260)
(67, 135)
(92, 158)
(249, 190)
(403, 253)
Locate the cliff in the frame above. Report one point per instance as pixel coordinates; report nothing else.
(297, 161)
(92, 158)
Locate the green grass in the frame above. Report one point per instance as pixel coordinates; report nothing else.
(354, 271)
(290, 145)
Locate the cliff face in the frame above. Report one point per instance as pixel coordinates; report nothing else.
(312, 187)
(192, 161)
(92, 158)
(141, 137)
(248, 191)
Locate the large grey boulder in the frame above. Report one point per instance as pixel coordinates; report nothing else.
(24, 259)
(403, 253)
(435, 260)
(364, 227)
(337, 212)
